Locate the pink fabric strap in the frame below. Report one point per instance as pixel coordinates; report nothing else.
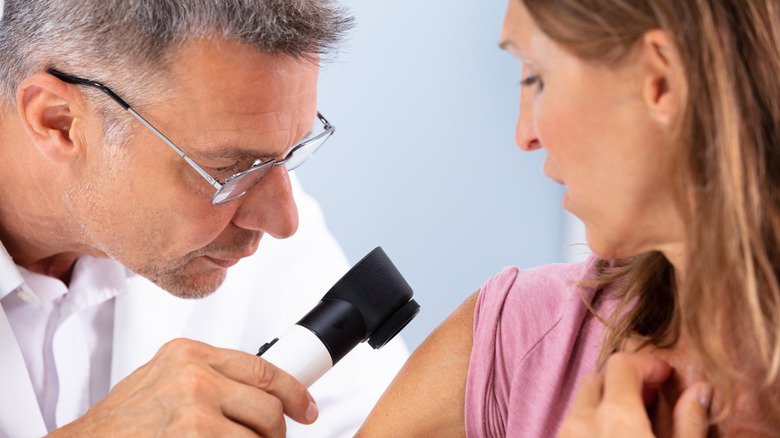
(534, 339)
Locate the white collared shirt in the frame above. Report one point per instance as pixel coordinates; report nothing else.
(65, 333)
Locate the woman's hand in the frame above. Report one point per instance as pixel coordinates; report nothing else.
(614, 403)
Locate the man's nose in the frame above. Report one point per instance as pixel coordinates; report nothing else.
(525, 132)
(269, 206)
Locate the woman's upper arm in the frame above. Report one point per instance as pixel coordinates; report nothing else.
(427, 396)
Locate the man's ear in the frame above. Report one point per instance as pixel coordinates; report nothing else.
(46, 107)
(662, 80)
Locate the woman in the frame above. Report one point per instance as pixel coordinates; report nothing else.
(662, 118)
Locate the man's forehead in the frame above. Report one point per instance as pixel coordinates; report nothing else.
(231, 101)
(227, 73)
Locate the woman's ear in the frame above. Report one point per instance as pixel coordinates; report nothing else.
(662, 79)
(46, 108)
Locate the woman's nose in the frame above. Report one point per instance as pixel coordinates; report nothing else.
(525, 132)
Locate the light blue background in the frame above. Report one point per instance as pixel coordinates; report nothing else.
(423, 162)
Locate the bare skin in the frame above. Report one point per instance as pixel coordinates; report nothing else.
(426, 399)
(612, 403)
(192, 388)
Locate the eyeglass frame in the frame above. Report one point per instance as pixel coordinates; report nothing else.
(329, 129)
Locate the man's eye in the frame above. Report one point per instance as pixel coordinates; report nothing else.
(237, 166)
(232, 169)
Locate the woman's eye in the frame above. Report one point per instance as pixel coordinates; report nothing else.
(531, 81)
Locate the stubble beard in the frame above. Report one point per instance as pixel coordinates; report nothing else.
(175, 274)
(85, 202)
(181, 284)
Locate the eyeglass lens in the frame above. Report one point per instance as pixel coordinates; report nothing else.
(238, 184)
(300, 154)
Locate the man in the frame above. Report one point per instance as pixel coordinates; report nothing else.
(154, 137)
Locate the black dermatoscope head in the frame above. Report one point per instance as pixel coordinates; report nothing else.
(372, 302)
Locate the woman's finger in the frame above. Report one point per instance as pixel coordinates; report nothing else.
(691, 413)
(579, 421)
(589, 393)
(627, 376)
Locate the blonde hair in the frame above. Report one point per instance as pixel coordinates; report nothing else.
(728, 176)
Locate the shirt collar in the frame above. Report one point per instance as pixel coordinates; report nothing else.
(11, 279)
(106, 276)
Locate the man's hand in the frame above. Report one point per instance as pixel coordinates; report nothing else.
(190, 388)
(614, 403)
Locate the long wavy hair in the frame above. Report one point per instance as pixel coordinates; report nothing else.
(727, 176)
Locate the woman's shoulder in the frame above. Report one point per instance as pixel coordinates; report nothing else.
(543, 292)
(533, 338)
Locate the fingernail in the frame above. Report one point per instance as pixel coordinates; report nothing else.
(705, 396)
(312, 412)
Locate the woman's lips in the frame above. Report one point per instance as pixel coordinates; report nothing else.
(551, 171)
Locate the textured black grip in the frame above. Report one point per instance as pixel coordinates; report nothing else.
(376, 288)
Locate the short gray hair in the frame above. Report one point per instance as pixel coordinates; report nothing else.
(132, 40)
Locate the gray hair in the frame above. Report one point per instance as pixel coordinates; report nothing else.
(132, 41)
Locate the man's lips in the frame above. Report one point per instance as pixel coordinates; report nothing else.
(228, 260)
(222, 263)
(227, 255)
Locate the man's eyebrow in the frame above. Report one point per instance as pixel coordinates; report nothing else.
(236, 152)
(232, 152)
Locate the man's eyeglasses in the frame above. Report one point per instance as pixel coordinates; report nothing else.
(238, 184)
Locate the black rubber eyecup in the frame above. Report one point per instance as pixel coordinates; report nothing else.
(394, 324)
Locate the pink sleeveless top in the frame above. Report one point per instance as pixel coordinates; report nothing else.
(534, 339)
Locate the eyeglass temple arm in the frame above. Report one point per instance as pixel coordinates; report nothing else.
(79, 81)
(74, 80)
(196, 166)
(324, 121)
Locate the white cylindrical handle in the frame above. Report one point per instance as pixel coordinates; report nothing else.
(300, 353)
